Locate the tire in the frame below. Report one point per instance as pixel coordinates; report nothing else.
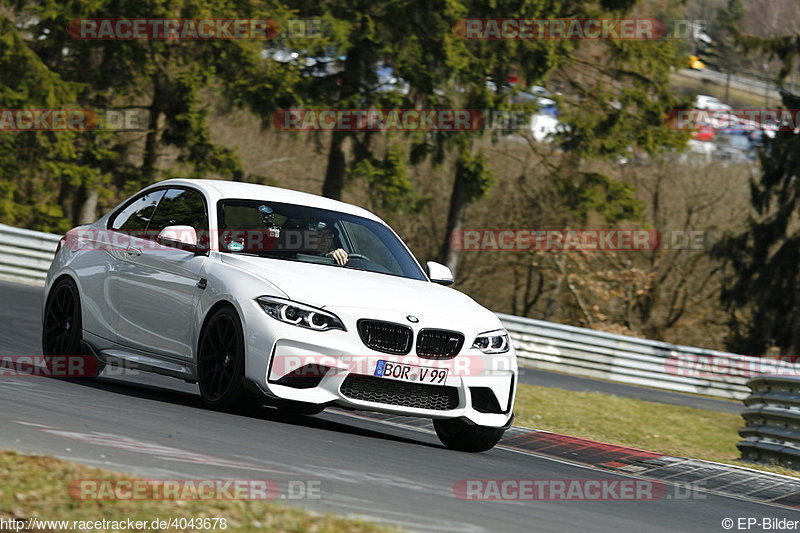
(62, 330)
(457, 435)
(220, 364)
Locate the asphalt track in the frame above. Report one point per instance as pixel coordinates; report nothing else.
(156, 427)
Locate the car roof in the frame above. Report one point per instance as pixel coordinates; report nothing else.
(222, 189)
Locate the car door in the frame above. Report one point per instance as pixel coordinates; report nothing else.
(125, 235)
(159, 285)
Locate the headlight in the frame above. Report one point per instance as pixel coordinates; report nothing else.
(301, 315)
(492, 341)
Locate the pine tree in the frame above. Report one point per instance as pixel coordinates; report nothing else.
(763, 293)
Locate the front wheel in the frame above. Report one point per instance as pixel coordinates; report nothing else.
(458, 435)
(220, 363)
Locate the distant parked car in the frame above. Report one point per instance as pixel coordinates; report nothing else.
(701, 148)
(546, 104)
(318, 66)
(544, 126)
(733, 148)
(695, 63)
(388, 79)
(703, 133)
(704, 101)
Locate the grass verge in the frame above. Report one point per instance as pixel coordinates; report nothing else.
(36, 486)
(668, 429)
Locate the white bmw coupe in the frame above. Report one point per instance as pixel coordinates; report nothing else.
(264, 295)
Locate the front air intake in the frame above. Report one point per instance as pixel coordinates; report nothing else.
(400, 393)
(305, 377)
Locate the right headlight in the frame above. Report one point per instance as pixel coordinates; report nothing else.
(299, 314)
(492, 342)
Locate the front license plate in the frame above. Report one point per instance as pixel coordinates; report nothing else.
(404, 372)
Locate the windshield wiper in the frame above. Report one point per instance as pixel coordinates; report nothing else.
(266, 255)
(359, 268)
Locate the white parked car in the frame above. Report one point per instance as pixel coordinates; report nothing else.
(266, 295)
(703, 148)
(544, 127)
(711, 103)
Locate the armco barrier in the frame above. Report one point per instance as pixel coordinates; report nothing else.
(26, 254)
(772, 421)
(586, 352)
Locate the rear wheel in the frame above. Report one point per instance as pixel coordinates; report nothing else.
(458, 435)
(62, 333)
(220, 363)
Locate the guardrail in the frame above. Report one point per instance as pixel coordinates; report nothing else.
(26, 255)
(772, 421)
(625, 359)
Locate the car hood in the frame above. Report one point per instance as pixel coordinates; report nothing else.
(336, 287)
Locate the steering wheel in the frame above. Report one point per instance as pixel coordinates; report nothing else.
(358, 256)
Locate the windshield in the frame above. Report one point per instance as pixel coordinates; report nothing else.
(310, 235)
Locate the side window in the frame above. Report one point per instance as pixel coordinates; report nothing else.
(181, 207)
(136, 216)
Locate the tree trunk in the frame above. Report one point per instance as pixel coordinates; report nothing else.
(455, 223)
(794, 344)
(150, 157)
(86, 205)
(333, 187)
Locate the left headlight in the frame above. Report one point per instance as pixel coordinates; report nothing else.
(299, 314)
(492, 342)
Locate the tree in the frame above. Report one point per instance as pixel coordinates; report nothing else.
(27, 82)
(172, 80)
(763, 296)
(619, 96)
(355, 42)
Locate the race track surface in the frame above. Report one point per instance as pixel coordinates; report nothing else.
(153, 426)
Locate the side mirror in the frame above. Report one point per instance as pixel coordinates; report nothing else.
(183, 237)
(439, 273)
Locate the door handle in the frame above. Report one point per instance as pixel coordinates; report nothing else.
(133, 252)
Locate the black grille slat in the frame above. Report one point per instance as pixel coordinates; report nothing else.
(400, 393)
(386, 337)
(439, 343)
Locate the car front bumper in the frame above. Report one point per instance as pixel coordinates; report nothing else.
(335, 367)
